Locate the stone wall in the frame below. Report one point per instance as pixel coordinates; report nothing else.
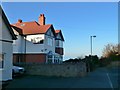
(60, 70)
(115, 63)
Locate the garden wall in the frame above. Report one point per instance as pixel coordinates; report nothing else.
(60, 70)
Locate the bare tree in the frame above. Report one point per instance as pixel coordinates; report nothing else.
(111, 49)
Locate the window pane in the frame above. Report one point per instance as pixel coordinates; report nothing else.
(1, 60)
(50, 41)
(57, 43)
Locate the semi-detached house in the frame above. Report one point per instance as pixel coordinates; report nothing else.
(37, 42)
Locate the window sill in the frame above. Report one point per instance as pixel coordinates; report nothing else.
(37, 43)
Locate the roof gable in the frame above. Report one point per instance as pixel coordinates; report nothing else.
(49, 32)
(7, 23)
(59, 35)
(51, 29)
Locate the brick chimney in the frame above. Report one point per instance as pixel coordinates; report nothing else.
(41, 19)
(19, 21)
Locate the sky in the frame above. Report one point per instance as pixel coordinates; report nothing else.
(77, 20)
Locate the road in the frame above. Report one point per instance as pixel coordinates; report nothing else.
(100, 78)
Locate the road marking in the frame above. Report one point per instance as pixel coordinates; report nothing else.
(110, 81)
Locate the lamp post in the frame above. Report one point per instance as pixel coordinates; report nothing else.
(89, 65)
(91, 43)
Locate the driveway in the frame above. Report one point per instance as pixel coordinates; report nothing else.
(100, 78)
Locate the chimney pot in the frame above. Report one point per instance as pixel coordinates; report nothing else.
(19, 21)
(41, 20)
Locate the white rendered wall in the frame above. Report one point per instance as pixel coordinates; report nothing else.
(6, 71)
(0, 26)
(5, 33)
(0, 46)
(34, 48)
(19, 44)
(20, 47)
(8, 57)
(49, 47)
(46, 45)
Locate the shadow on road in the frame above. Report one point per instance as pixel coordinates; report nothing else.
(100, 78)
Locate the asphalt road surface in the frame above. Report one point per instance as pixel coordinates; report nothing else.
(100, 78)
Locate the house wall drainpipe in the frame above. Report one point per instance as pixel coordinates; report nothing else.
(25, 51)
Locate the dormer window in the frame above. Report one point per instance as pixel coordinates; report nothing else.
(22, 25)
(37, 40)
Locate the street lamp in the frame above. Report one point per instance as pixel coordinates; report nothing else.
(89, 64)
(91, 43)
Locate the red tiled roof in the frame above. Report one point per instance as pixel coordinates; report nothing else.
(57, 31)
(33, 27)
(30, 28)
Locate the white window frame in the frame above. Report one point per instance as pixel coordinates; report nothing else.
(2, 59)
(50, 41)
(57, 43)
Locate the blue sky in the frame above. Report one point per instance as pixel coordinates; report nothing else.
(78, 21)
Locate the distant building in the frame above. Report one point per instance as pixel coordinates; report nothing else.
(37, 42)
(6, 48)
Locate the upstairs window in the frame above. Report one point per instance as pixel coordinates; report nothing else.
(1, 60)
(50, 41)
(58, 43)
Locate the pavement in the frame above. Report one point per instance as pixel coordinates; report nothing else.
(106, 78)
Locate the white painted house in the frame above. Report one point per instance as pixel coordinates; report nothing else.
(37, 42)
(6, 48)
